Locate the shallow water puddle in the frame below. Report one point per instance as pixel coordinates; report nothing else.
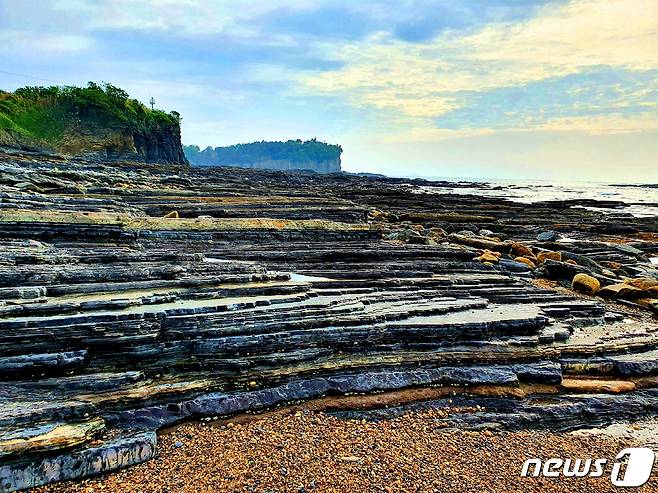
(304, 278)
(213, 260)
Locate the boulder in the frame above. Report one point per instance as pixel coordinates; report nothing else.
(513, 266)
(563, 270)
(548, 236)
(488, 256)
(526, 261)
(644, 283)
(547, 254)
(586, 284)
(583, 260)
(621, 291)
(521, 250)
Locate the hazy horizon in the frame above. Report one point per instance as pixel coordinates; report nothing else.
(523, 89)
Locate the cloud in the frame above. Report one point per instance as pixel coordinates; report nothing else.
(186, 18)
(434, 79)
(411, 20)
(604, 124)
(580, 34)
(596, 93)
(29, 43)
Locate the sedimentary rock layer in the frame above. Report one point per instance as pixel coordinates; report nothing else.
(133, 298)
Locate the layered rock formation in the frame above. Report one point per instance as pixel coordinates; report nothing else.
(161, 144)
(261, 288)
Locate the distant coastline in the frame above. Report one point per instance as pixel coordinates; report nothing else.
(311, 155)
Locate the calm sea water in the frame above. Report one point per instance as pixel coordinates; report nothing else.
(640, 201)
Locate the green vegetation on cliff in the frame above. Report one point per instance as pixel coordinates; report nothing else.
(96, 119)
(45, 113)
(297, 152)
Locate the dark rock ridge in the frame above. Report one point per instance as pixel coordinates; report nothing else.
(159, 145)
(134, 297)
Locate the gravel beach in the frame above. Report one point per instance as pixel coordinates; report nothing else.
(304, 451)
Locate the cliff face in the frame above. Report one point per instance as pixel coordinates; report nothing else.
(156, 145)
(162, 145)
(94, 122)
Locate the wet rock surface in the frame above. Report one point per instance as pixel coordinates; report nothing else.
(135, 297)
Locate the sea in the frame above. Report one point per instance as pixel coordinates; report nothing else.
(638, 200)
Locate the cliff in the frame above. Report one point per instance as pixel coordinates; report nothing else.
(291, 155)
(95, 122)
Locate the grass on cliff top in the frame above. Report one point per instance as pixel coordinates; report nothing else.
(46, 113)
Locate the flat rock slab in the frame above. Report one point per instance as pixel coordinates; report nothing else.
(50, 437)
(109, 456)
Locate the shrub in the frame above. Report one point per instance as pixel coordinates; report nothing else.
(46, 112)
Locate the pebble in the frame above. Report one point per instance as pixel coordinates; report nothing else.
(320, 453)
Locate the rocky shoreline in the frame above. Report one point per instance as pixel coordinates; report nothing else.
(134, 297)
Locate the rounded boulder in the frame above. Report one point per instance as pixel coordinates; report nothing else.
(586, 284)
(526, 261)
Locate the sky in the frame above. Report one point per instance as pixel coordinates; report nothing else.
(514, 89)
